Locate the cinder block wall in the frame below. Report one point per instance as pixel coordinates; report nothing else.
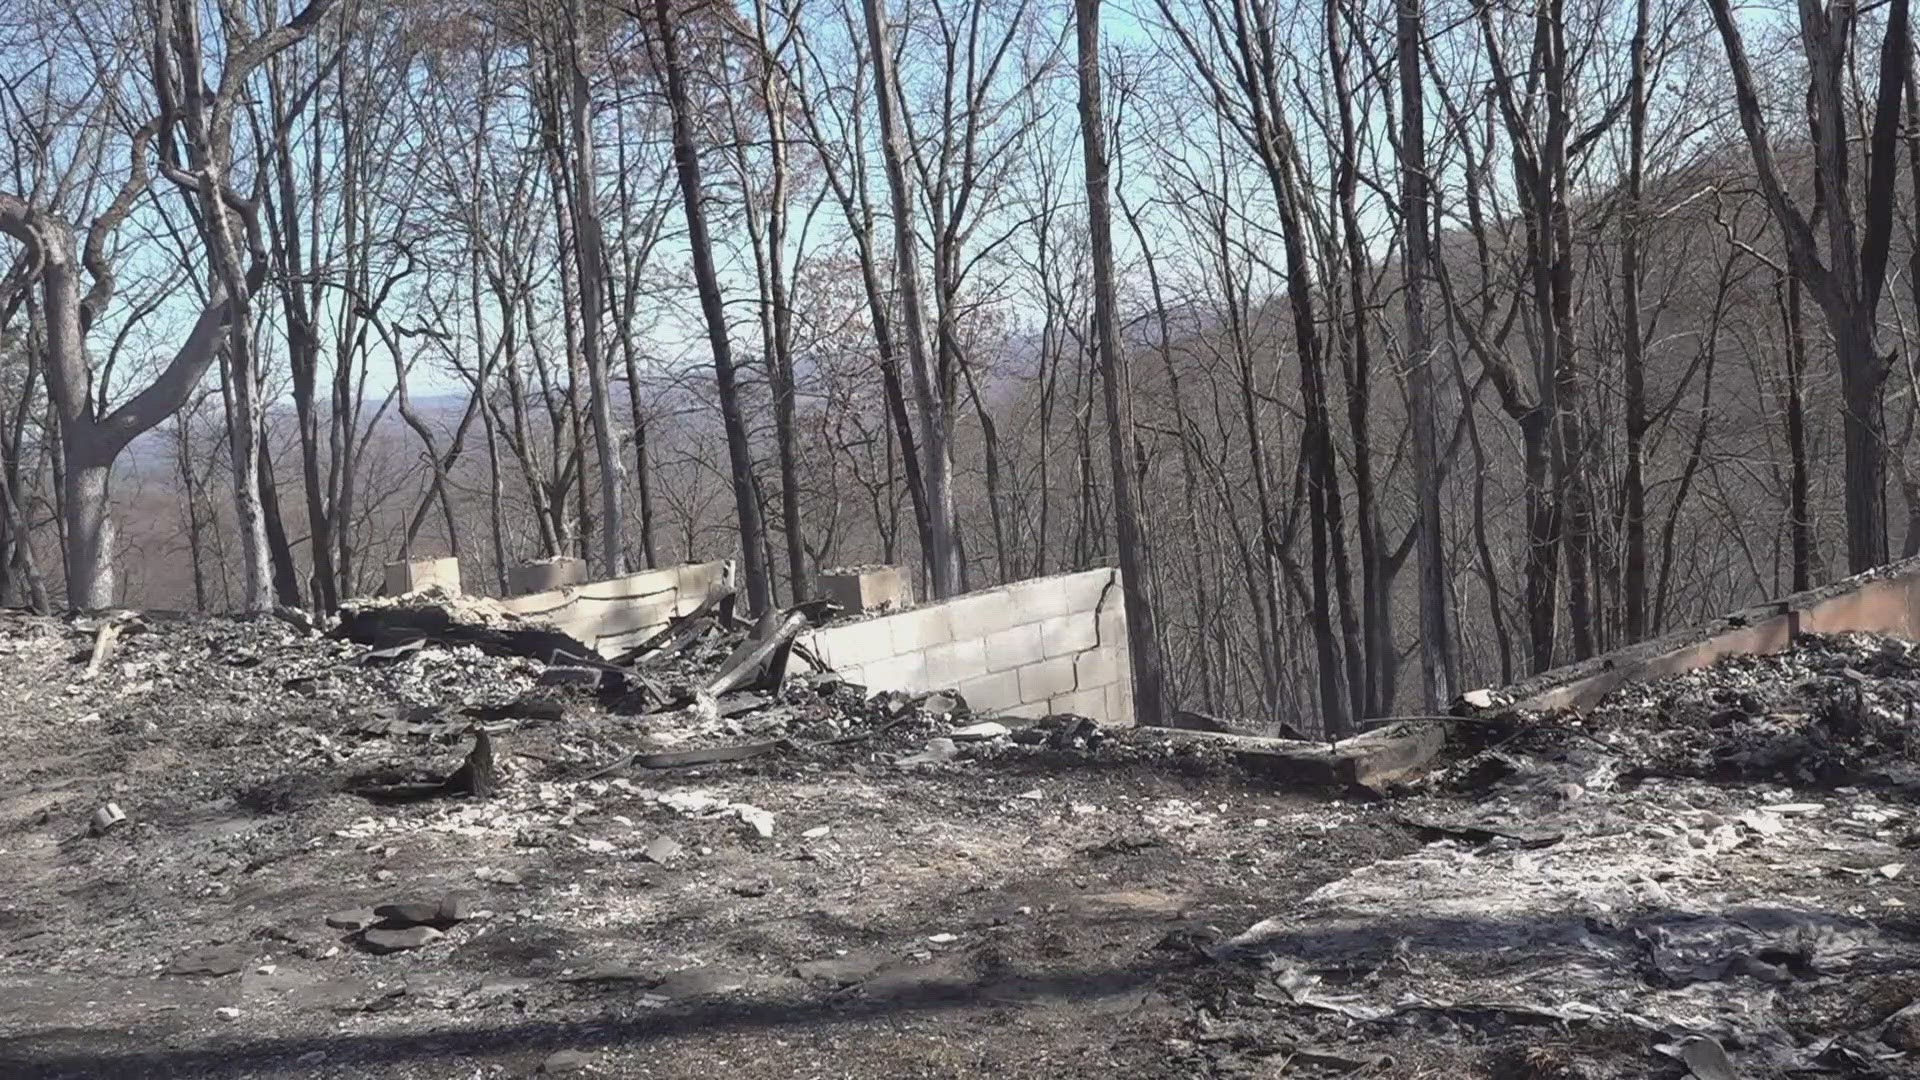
(1030, 649)
(616, 615)
(405, 577)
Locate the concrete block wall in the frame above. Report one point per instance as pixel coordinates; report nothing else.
(546, 575)
(405, 577)
(1029, 649)
(615, 615)
(870, 588)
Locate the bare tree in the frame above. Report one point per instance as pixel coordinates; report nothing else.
(590, 253)
(1142, 636)
(1847, 283)
(196, 137)
(90, 442)
(936, 420)
(1438, 670)
(700, 245)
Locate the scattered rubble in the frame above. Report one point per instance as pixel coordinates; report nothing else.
(760, 821)
(1690, 893)
(106, 819)
(412, 836)
(980, 732)
(1830, 712)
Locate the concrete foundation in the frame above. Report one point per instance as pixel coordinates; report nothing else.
(406, 577)
(1030, 649)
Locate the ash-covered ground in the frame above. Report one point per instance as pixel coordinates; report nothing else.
(1705, 874)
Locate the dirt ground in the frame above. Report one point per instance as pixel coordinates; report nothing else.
(1144, 908)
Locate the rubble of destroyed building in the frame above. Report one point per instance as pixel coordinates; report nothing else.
(435, 836)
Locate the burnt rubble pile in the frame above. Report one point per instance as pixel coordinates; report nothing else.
(1833, 710)
(158, 669)
(1705, 876)
(374, 704)
(1710, 875)
(711, 686)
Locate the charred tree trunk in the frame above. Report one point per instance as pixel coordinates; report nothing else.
(1633, 359)
(1800, 483)
(589, 250)
(88, 443)
(1846, 283)
(1143, 636)
(1439, 672)
(944, 560)
(739, 453)
(286, 573)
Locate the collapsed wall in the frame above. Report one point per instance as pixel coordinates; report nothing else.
(617, 614)
(1033, 648)
(1030, 649)
(1883, 601)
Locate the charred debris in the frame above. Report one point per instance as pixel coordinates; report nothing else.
(1704, 875)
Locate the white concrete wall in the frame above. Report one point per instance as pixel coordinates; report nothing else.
(613, 616)
(1033, 648)
(406, 577)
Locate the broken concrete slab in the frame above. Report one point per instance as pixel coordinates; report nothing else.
(565, 1062)
(352, 919)
(662, 850)
(936, 752)
(1478, 699)
(381, 940)
(699, 982)
(1371, 762)
(214, 961)
(443, 912)
(759, 820)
